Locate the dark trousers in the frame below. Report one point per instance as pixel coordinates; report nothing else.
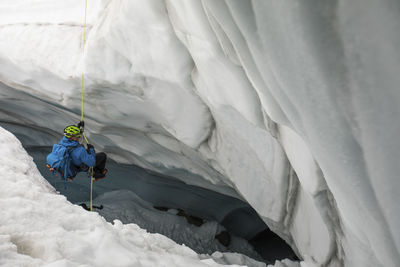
(101, 159)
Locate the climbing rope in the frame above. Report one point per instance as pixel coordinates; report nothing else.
(83, 75)
(83, 52)
(91, 188)
(83, 133)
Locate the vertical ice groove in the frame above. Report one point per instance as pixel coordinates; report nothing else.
(231, 26)
(172, 16)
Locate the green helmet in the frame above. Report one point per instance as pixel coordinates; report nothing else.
(71, 131)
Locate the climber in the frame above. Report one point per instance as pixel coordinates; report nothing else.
(80, 158)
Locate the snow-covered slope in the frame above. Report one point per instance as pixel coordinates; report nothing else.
(292, 103)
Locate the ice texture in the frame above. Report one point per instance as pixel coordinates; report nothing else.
(291, 103)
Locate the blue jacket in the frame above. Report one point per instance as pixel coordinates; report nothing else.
(79, 155)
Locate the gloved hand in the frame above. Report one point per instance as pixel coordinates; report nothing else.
(81, 125)
(89, 146)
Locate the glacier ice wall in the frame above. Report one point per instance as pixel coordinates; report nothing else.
(292, 103)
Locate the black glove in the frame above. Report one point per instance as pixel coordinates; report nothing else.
(81, 125)
(89, 146)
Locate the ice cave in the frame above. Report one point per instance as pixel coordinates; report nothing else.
(238, 132)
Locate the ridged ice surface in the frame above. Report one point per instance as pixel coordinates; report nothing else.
(292, 103)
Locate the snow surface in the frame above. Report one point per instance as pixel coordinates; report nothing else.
(291, 103)
(39, 227)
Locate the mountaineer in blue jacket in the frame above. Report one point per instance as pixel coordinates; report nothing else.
(81, 158)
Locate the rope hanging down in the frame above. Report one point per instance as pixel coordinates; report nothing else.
(83, 133)
(83, 52)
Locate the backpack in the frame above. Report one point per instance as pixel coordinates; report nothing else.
(60, 160)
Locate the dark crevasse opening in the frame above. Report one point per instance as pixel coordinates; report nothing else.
(271, 247)
(204, 220)
(268, 245)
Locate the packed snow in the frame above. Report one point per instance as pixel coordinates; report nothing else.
(288, 105)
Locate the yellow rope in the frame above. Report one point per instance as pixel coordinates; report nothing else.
(91, 189)
(83, 52)
(83, 78)
(82, 99)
